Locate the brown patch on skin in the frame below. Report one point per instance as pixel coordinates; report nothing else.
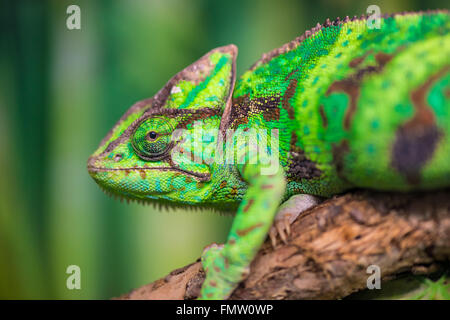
(300, 167)
(447, 93)
(239, 111)
(268, 107)
(323, 116)
(226, 262)
(233, 191)
(188, 180)
(358, 60)
(383, 58)
(127, 172)
(204, 114)
(248, 205)
(289, 93)
(351, 88)
(245, 231)
(424, 114)
(243, 107)
(212, 283)
(339, 151)
(143, 174)
(290, 74)
(200, 185)
(266, 186)
(232, 241)
(351, 85)
(216, 268)
(417, 139)
(223, 184)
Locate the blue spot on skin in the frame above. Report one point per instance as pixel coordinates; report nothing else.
(369, 172)
(306, 130)
(338, 55)
(375, 124)
(158, 186)
(345, 43)
(370, 148)
(315, 80)
(305, 103)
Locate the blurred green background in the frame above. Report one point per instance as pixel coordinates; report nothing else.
(60, 92)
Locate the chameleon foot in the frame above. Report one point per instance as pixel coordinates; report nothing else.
(288, 213)
(210, 253)
(219, 284)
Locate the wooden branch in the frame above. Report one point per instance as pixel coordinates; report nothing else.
(332, 245)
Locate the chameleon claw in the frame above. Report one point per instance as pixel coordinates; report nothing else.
(287, 214)
(281, 228)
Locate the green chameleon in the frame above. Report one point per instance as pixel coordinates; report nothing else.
(344, 105)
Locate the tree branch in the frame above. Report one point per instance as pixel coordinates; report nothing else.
(332, 245)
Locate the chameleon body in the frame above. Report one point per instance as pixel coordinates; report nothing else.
(342, 106)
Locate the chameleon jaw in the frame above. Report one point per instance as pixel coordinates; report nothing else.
(203, 177)
(93, 169)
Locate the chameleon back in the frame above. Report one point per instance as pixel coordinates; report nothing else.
(357, 107)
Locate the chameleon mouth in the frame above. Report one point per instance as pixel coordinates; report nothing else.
(200, 176)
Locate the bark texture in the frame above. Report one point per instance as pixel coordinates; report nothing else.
(331, 246)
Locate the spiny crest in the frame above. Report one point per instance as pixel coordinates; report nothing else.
(266, 57)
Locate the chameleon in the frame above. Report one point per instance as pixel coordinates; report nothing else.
(343, 106)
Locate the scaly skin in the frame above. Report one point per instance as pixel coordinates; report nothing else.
(350, 106)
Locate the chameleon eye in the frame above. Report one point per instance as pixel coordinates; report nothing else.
(152, 135)
(151, 139)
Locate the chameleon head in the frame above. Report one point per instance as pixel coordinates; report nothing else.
(161, 148)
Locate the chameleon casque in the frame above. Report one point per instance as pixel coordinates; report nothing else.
(342, 106)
